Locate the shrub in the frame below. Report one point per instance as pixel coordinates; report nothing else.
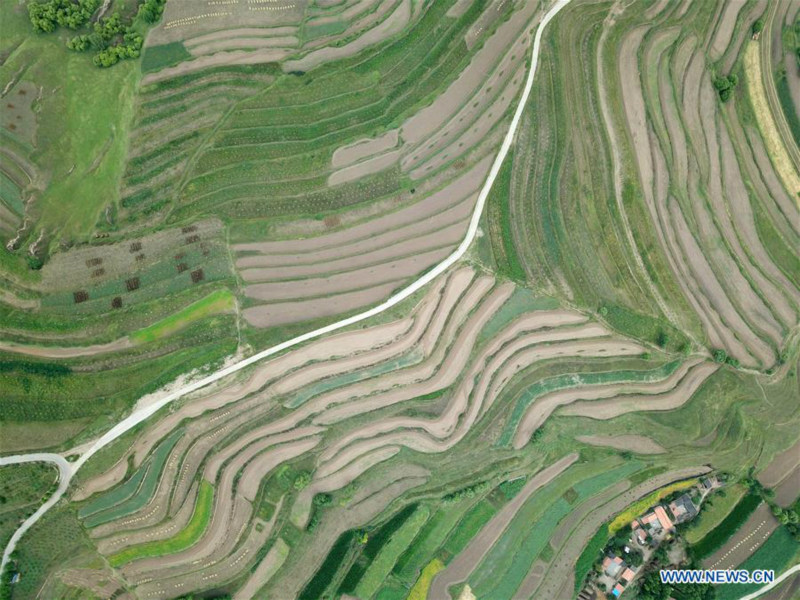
(724, 86)
(302, 480)
(323, 499)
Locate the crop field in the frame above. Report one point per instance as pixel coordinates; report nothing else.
(619, 321)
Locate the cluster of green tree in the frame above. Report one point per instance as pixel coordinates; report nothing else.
(48, 16)
(616, 546)
(467, 492)
(8, 576)
(724, 86)
(150, 11)
(323, 500)
(720, 355)
(651, 588)
(320, 500)
(113, 40)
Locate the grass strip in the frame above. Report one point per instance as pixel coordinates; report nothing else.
(589, 555)
(152, 473)
(428, 541)
(184, 539)
(316, 586)
(729, 525)
(423, 584)
(715, 509)
(469, 526)
(380, 568)
(216, 302)
(158, 57)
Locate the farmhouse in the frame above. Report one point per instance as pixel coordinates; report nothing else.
(612, 565)
(657, 520)
(627, 576)
(639, 533)
(683, 509)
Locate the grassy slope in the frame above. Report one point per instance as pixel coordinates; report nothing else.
(83, 129)
(22, 489)
(216, 302)
(715, 509)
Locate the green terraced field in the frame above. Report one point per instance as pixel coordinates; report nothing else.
(187, 536)
(199, 242)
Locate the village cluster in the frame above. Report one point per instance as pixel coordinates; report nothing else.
(648, 533)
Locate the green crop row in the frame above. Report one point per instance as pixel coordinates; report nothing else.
(111, 506)
(186, 538)
(715, 539)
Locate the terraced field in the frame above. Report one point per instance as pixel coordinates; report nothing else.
(216, 328)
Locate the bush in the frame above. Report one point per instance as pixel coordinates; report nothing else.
(725, 85)
(302, 480)
(150, 11)
(323, 499)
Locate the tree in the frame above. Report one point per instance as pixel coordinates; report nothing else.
(302, 480)
(724, 86)
(323, 499)
(150, 11)
(758, 26)
(651, 587)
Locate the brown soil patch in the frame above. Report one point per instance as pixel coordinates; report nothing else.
(336, 284)
(295, 311)
(66, 352)
(781, 465)
(608, 409)
(722, 37)
(448, 238)
(356, 151)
